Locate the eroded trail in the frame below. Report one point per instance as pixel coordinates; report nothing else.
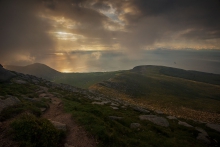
(76, 135)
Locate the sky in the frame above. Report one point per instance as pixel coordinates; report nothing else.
(106, 35)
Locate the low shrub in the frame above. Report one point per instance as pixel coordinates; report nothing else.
(31, 131)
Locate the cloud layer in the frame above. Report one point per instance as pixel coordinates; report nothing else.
(49, 31)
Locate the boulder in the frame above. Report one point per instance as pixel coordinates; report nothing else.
(20, 81)
(8, 101)
(184, 124)
(115, 108)
(155, 119)
(5, 75)
(141, 110)
(215, 127)
(58, 125)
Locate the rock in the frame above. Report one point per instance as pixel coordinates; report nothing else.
(20, 82)
(43, 109)
(215, 127)
(203, 138)
(202, 131)
(5, 75)
(141, 110)
(135, 125)
(114, 104)
(155, 119)
(58, 125)
(101, 103)
(9, 101)
(115, 117)
(184, 124)
(115, 108)
(171, 117)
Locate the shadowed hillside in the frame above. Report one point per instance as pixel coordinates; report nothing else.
(37, 69)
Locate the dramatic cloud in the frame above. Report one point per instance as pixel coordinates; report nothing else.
(57, 32)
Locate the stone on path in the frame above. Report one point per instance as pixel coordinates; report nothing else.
(215, 127)
(161, 121)
(184, 124)
(58, 125)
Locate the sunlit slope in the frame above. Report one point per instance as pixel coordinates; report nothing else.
(153, 89)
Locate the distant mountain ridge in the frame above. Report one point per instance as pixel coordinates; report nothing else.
(36, 69)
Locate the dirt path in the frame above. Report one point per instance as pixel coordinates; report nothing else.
(76, 135)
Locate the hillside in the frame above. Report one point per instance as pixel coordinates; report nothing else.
(82, 80)
(36, 69)
(61, 115)
(188, 94)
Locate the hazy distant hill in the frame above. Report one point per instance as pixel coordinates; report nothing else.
(82, 80)
(37, 69)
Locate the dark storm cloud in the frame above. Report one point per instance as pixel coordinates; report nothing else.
(23, 33)
(200, 15)
(29, 29)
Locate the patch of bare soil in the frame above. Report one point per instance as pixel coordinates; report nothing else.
(76, 135)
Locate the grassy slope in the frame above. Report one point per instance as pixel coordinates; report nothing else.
(151, 88)
(115, 133)
(109, 133)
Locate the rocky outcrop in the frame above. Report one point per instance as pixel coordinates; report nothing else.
(155, 119)
(8, 101)
(5, 75)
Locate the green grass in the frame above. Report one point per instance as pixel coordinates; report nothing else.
(164, 90)
(115, 133)
(31, 131)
